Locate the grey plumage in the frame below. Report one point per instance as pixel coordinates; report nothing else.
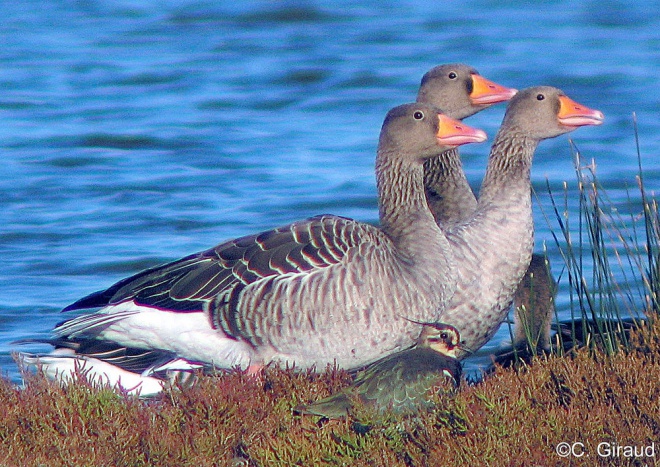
(460, 91)
(534, 312)
(492, 247)
(202, 289)
(313, 292)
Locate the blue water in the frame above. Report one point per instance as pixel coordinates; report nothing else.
(136, 132)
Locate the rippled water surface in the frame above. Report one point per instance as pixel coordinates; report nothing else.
(133, 133)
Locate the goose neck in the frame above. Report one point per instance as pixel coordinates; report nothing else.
(509, 165)
(404, 213)
(448, 192)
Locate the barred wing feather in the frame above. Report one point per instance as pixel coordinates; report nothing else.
(191, 282)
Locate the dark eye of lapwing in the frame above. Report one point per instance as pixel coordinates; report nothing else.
(540, 97)
(452, 75)
(418, 115)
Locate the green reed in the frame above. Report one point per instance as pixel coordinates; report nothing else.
(610, 257)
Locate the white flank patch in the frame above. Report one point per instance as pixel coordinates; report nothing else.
(62, 365)
(189, 335)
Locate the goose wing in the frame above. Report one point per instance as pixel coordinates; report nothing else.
(188, 284)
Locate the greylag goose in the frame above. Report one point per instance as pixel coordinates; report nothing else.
(448, 192)
(460, 92)
(534, 307)
(323, 290)
(492, 249)
(403, 382)
(534, 311)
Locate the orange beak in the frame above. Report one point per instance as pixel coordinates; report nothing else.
(486, 92)
(574, 115)
(454, 133)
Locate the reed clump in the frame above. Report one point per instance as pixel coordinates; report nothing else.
(610, 253)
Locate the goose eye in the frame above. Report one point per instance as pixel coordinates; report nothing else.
(418, 115)
(452, 75)
(540, 97)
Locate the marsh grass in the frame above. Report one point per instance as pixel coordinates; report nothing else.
(610, 257)
(606, 393)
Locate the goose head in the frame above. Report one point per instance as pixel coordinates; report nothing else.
(420, 131)
(460, 91)
(542, 112)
